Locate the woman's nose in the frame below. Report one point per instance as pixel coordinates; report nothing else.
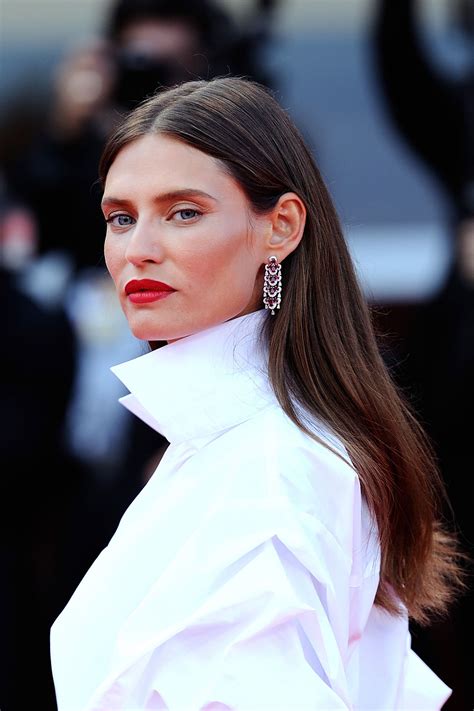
(144, 243)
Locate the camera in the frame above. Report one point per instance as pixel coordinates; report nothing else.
(140, 75)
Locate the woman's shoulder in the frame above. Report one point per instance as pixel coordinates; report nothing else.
(273, 458)
(271, 439)
(281, 438)
(314, 470)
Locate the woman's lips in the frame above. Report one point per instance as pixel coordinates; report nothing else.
(145, 297)
(144, 291)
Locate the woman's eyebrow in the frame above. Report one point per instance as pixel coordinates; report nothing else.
(163, 197)
(183, 193)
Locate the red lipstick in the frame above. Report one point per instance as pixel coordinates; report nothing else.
(144, 291)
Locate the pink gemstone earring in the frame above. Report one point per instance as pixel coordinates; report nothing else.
(272, 284)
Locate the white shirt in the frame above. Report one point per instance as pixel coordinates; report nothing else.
(243, 575)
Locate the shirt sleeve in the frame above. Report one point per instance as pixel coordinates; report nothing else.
(260, 615)
(264, 642)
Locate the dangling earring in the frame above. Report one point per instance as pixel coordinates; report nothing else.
(272, 284)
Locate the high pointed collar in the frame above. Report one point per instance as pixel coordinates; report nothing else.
(201, 384)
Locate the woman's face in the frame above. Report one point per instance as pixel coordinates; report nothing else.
(175, 217)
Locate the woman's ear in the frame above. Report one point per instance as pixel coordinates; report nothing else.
(287, 222)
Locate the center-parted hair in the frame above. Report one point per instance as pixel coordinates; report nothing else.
(324, 358)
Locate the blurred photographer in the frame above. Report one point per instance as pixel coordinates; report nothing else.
(145, 45)
(433, 110)
(164, 43)
(430, 106)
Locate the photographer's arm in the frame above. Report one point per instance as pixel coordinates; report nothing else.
(424, 104)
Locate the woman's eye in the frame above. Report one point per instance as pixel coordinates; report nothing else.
(120, 220)
(186, 213)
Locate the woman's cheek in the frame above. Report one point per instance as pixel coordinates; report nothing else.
(201, 262)
(110, 256)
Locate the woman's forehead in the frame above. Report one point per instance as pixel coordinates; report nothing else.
(162, 163)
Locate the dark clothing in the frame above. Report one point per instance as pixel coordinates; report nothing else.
(434, 114)
(58, 181)
(439, 371)
(37, 367)
(56, 515)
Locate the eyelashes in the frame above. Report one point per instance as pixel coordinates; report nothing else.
(187, 214)
(187, 210)
(111, 220)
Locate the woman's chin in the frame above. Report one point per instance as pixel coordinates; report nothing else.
(154, 335)
(146, 334)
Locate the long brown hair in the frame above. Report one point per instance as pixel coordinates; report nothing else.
(323, 351)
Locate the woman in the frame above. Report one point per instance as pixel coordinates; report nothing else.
(274, 558)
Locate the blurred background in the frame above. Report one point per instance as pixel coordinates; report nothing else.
(384, 93)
